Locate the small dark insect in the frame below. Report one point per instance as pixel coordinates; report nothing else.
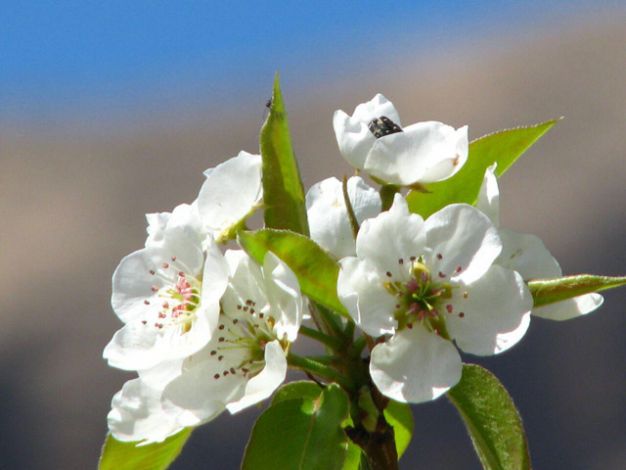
(383, 126)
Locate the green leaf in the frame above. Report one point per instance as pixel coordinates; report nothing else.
(400, 417)
(503, 147)
(548, 291)
(316, 271)
(491, 420)
(301, 389)
(118, 455)
(301, 434)
(283, 195)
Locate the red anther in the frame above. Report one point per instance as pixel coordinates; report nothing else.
(216, 376)
(162, 315)
(439, 256)
(441, 275)
(400, 261)
(173, 258)
(181, 273)
(461, 314)
(146, 302)
(152, 271)
(449, 308)
(388, 274)
(413, 258)
(165, 265)
(154, 289)
(458, 269)
(144, 322)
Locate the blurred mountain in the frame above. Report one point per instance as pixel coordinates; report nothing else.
(72, 204)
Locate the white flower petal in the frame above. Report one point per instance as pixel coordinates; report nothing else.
(360, 289)
(137, 414)
(492, 314)
(184, 217)
(262, 385)
(328, 216)
(571, 308)
(161, 375)
(415, 366)
(139, 346)
(424, 152)
(462, 242)
(214, 282)
(526, 254)
(133, 347)
(489, 196)
(230, 192)
(197, 394)
(392, 236)
(283, 293)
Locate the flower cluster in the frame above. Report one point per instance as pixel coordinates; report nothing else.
(208, 329)
(205, 329)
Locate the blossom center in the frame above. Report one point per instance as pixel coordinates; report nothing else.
(177, 295)
(242, 334)
(421, 299)
(383, 126)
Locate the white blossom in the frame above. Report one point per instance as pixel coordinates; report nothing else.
(373, 140)
(421, 284)
(328, 216)
(527, 254)
(167, 294)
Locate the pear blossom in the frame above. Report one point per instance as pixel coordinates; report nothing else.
(231, 192)
(527, 254)
(373, 140)
(167, 294)
(419, 285)
(246, 360)
(328, 217)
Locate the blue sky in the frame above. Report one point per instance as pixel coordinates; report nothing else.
(57, 55)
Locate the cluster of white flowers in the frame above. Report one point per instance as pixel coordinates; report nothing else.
(205, 330)
(208, 330)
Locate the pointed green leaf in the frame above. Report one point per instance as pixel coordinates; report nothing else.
(316, 271)
(283, 194)
(301, 434)
(118, 455)
(400, 417)
(548, 291)
(503, 147)
(491, 420)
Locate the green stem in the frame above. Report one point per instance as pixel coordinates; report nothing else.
(331, 342)
(358, 345)
(330, 319)
(354, 223)
(307, 364)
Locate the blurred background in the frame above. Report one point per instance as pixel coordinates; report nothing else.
(110, 110)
